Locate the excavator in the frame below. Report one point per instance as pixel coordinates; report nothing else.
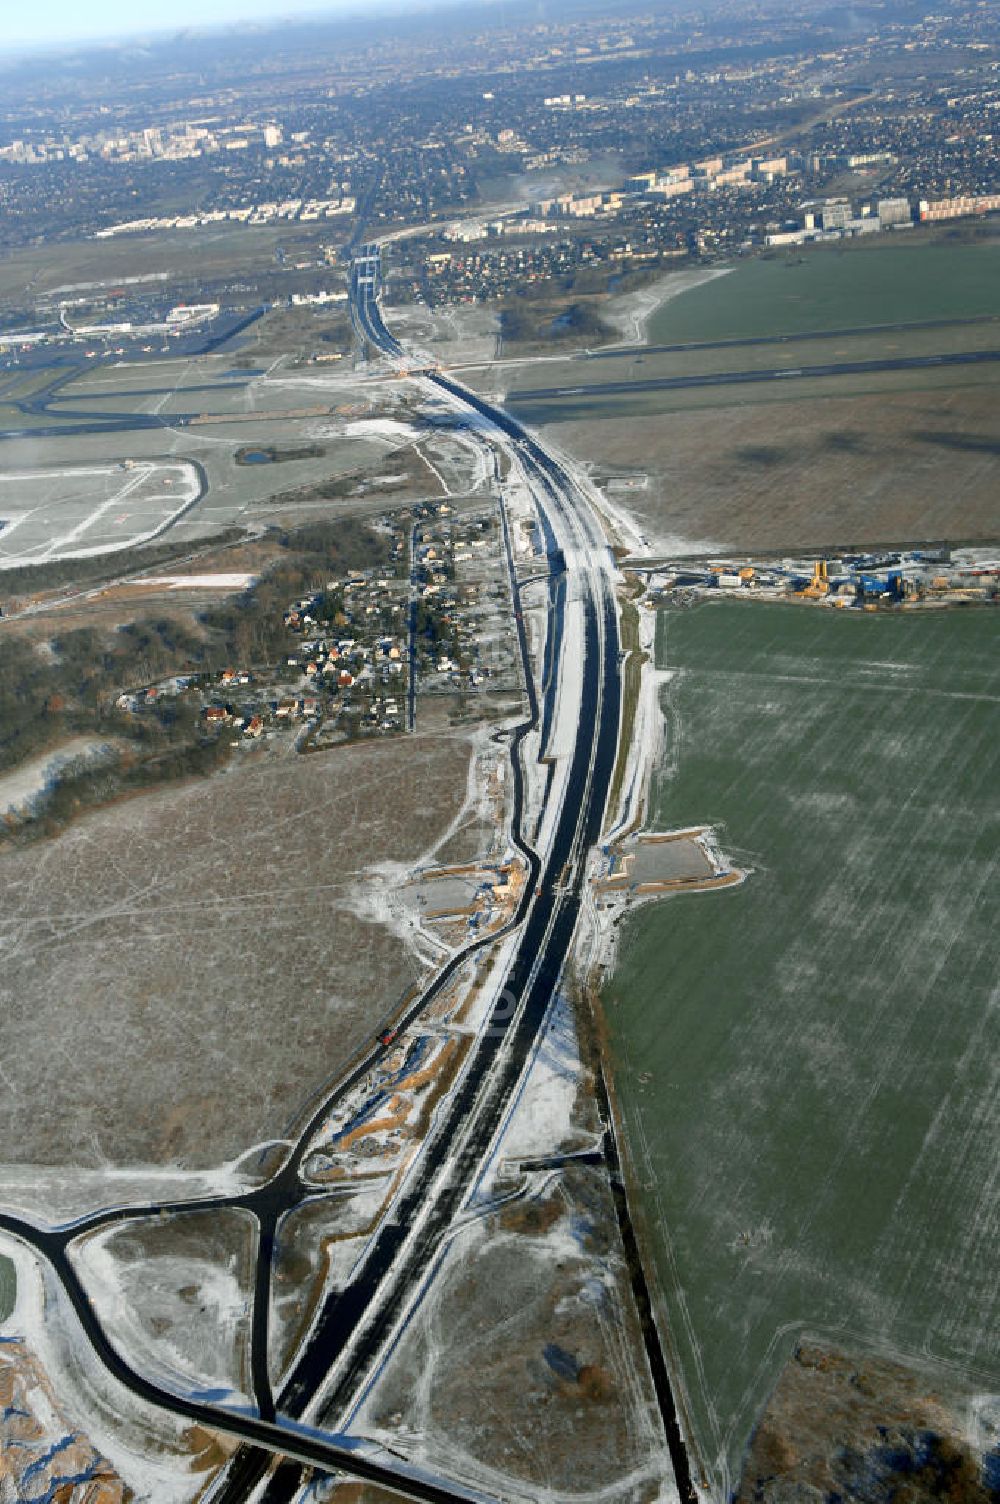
(819, 585)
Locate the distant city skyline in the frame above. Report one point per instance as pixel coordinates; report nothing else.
(54, 23)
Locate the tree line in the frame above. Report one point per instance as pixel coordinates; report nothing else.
(69, 685)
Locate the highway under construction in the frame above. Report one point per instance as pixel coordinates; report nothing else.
(577, 715)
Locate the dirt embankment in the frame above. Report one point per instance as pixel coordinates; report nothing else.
(870, 1430)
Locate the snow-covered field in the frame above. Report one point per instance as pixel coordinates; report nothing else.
(177, 1293)
(74, 512)
(231, 581)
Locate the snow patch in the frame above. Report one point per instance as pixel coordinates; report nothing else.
(22, 786)
(203, 1351)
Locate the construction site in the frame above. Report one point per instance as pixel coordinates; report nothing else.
(651, 864)
(886, 579)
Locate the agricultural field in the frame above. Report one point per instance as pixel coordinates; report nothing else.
(8, 1288)
(807, 1063)
(183, 971)
(836, 287)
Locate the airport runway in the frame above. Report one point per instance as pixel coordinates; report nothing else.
(528, 397)
(632, 352)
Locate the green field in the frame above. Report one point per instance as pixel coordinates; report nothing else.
(807, 1064)
(8, 1288)
(836, 287)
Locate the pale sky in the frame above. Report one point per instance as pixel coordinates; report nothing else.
(52, 22)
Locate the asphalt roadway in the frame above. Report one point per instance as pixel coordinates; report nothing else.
(527, 397)
(70, 365)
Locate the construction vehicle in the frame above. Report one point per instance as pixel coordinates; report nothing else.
(819, 585)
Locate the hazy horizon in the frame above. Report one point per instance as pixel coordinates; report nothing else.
(61, 23)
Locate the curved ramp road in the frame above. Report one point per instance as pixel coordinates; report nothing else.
(47, 403)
